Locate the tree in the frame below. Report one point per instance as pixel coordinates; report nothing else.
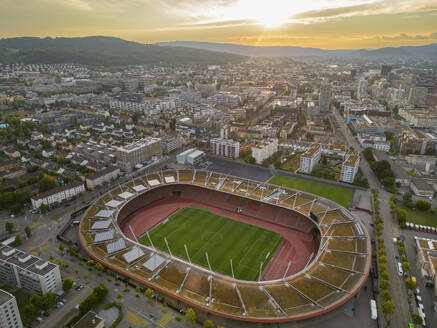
(9, 226)
(85, 275)
(48, 300)
(17, 240)
(385, 295)
(28, 231)
(67, 284)
(190, 316)
(423, 205)
(36, 301)
(90, 263)
(76, 271)
(208, 324)
(149, 293)
(406, 266)
(60, 261)
(61, 248)
(384, 284)
(387, 307)
(417, 319)
(410, 284)
(28, 313)
(47, 182)
(406, 198)
(99, 267)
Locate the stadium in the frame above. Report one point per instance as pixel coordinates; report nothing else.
(233, 247)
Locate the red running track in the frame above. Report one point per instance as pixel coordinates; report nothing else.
(296, 247)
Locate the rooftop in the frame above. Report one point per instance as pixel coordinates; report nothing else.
(310, 152)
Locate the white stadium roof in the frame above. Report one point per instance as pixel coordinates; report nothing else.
(134, 254)
(114, 203)
(139, 188)
(125, 195)
(117, 245)
(103, 236)
(169, 179)
(154, 182)
(104, 213)
(101, 224)
(154, 262)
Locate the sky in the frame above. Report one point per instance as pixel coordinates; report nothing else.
(327, 24)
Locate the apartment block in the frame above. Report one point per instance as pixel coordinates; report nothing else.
(225, 147)
(138, 152)
(264, 150)
(9, 314)
(28, 272)
(349, 167)
(101, 177)
(58, 195)
(310, 158)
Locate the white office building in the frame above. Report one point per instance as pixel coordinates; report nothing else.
(58, 195)
(225, 147)
(191, 156)
(28, 272)
(9, 314)
(138, 152)
(264, 150)
(362, 88)
(349, 167)
(310, 158)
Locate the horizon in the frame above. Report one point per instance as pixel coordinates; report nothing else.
(323, 24)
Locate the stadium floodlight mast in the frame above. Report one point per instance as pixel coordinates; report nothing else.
(232, 270)
(150, 240)
(286, 271)
(260, 270)
(168, 247)
(188, 255)
(132, 232)
(209, 264)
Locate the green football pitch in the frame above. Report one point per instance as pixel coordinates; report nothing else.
(222, 238)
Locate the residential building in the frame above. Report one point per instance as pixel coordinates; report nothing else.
(191, 156)
(418, 96)
(419, 118)
(225, 132)
(225, 147)
(310, 158)
(58, 195)
(325, 97)
(9, 314)
(90, 320)
(362, 88)
(28, 272)
(138, 152)
(264, 149)
(170, 143)
(101, 177)
(349, 167)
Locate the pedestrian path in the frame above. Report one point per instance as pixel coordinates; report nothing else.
(166, 318)
(135, 320)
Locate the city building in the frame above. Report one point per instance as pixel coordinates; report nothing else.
(421, 188)
(225, 147)
(138, 152)
(325, 97)
(9, 314)
(310, 158)
(170, 143)
(349, 167)
(427, 257)
(225, 132)
(418, 96)
(264, 149)
(362, 88)
(191, 156)
(385, 69)
(419, 118)
(101, 177)
(28, 272)
(90, 320)
(58, 195)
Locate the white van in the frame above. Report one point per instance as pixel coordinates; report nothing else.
(400, 271)
(373, 310)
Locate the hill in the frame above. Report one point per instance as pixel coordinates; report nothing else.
(428, 51)
(103, 51)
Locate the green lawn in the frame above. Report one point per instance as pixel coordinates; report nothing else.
(342, 196)
(419, 217)
(224, 239)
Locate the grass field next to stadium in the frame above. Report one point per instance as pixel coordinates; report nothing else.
(342, 196)
(222, 238)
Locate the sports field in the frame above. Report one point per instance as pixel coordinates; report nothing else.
(342, 196)
(222, 238)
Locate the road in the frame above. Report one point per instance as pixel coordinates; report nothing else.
(401, 316)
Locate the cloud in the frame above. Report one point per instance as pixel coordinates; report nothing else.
(405, 37)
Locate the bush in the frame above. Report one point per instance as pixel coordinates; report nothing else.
(384, 284)
(423, 205)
